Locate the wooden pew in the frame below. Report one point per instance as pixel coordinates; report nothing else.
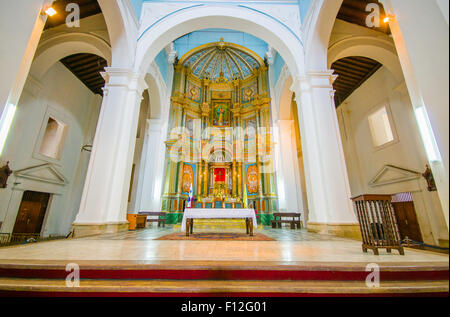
(280, 218)
(136, 221)
(160, 217)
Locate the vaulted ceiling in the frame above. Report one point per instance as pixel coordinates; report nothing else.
(355, 70)
(222, 59)
(86, 67)
(352, 73)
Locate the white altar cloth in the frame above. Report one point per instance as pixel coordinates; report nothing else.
(220, 213)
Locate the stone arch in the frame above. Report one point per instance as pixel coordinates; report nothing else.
(220, 153)
(122, 29)
(285, 99)
(58, 47)
(157, 91)
(319, 25)
(164, 31)
(377, 49)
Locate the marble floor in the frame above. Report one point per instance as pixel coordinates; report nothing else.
(290, 246)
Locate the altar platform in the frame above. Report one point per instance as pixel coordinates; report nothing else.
(296, 263)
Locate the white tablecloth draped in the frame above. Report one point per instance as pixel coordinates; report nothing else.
(223, 213)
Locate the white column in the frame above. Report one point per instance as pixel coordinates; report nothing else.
(104, 202)
(421, 35)
(21, 25)
(288, 170)
(328, 188)
(150, 198)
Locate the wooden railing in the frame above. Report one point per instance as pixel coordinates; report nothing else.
(379, 229)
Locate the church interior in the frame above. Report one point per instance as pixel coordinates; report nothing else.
(247, 148)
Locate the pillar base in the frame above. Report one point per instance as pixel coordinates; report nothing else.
(343, 230)
(91, 229)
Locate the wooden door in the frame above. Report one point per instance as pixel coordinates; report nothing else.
(407, 221)
(28, 217)
(31, 213)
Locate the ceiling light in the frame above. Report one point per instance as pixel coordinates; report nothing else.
(388, 19)
(50, 11)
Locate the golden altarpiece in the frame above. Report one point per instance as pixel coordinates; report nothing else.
(220, 140)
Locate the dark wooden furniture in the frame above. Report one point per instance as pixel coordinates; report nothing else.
(379, 229)
(160, 217)
(408, 225)
(280, 218)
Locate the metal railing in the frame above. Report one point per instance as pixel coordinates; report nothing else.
(7, 239)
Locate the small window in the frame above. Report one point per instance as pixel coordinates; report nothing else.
(53, 140)
(380, 127)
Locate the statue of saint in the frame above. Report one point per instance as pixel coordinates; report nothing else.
(428, 175)
(5, 172)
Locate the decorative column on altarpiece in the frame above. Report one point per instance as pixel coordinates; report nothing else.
(237, 151)
(170, 191)
(205, 108)
(258, 161)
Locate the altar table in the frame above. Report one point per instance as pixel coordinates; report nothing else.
(196, 213)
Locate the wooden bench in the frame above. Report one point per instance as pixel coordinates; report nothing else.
(136, 221)
(161, 217)
(279, 218)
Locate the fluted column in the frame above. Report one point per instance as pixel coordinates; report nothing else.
(104, 202)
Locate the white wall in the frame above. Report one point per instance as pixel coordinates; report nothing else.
(65, 97)
(364, 161)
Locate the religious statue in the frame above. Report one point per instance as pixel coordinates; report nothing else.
(428, 175)
(252, 180)
(187, 178)
(221, 115)
(219, 191)
(5, 172)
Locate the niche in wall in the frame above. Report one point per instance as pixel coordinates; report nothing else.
(52, 136)
(53, 140)
(381, 127)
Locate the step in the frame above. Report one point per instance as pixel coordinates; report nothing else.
(227, 271)
(136, 288)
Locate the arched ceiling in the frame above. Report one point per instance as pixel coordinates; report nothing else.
(221, 58)
(352, 72)
(87, 68)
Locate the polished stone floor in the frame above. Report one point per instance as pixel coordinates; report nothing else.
(141, 246)
(284, 234)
